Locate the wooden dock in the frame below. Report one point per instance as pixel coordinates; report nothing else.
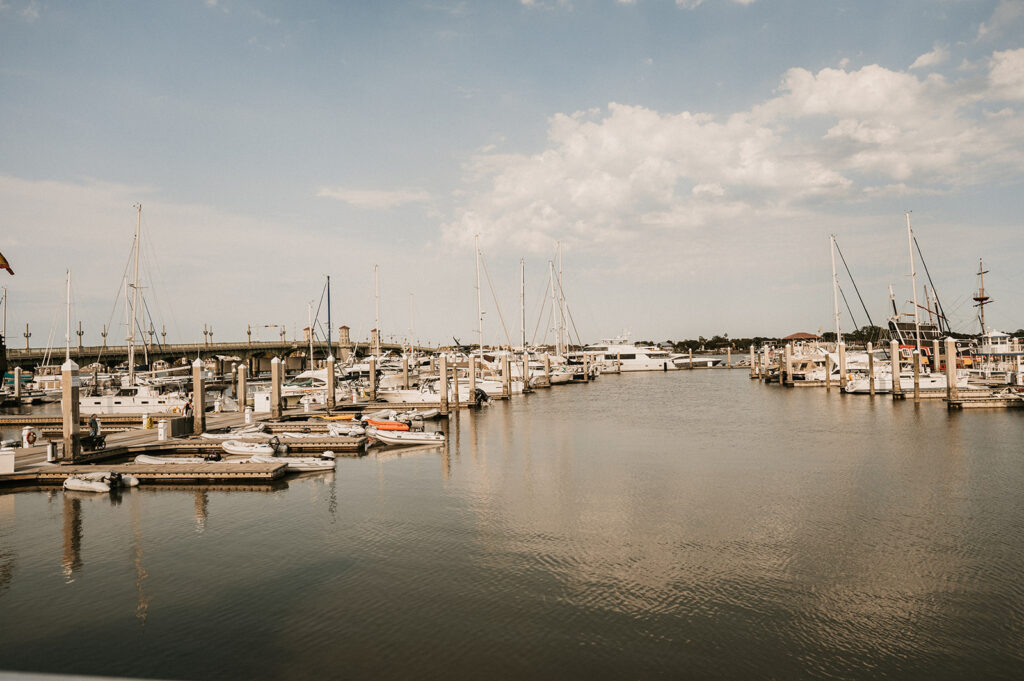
(164, 474)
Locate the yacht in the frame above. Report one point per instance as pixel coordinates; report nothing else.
(618, 354)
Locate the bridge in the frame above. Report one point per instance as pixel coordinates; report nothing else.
(256, 353)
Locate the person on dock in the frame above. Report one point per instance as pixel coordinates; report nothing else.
(187, 410)
(94, 426)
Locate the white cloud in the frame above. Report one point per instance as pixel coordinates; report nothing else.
(1006, 76)
(374, 198)
(609, 178)
(939, 54)
(1006, 14)
(31, 11)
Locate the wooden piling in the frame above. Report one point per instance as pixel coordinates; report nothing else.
(240, 394)
(526, 373)
(373, 379)
(472, 377)
(70, 409)
(691, 357)
(934, 364)
(455, 385)
(728, 354)
(547, 367)
(331, 382)
(871, 371)
(198, 398)
(894, 354)
(952, 392)
(275, 388)
(442, 388)
(753, 369)
(17, 382)
(842, 365)
(917, 376)
(405, 372)
(789, 364)
(828, 371)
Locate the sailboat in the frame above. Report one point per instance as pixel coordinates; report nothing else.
(134, 396)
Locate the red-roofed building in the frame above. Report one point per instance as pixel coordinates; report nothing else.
(802, 336)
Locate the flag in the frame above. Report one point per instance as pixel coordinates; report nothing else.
(4, 265)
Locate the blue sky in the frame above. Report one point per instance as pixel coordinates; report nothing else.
(692, 157)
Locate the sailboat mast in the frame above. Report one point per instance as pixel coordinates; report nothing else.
(563, 326)
(981, 299)
(522, 297)
(554, 307)
(376, 302)
(309, 314)
(479, 304)
(135, 296)
(330, 349)
(67, 325)
(835, 289)
(4, 332)
(913, 282)
(412, 325)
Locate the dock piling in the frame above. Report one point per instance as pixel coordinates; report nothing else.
(198, 398)
(240, 394)
(917, 376)
(871, 371)
(275, 388)
(897, 385)
(331, 382)
(442, 388)
(952, 393)
(70, 410)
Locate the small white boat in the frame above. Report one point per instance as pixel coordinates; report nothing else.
(147, 459)
(238, 447)
(248, 435)
(339, 430)
(77, 483)
(111, 478)
(299, 463)
(405, 437)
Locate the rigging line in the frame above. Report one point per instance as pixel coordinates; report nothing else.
(938, 303)
(541, 306)
(848, 310)
(854, 282)
(145, 306)
(495, 297)
(578, 340)
(117, 299)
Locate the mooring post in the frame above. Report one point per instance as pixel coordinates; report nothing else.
(442, 387)
(547, 368)
(789, 364)
(17, 382)
(240, 395)
(331, 380)
(828, 371)
(952, 392)
(691, 358)
(455, 384)
(275, 388)
(198, 398)
(472, 377)
(934, 364)
(842, 365)
(897, 384)
(405, 372)
(373, 379)
(917, 375)
(753, 369)
(70, 410)
(728, 354)
(871, 370)
(526, 372)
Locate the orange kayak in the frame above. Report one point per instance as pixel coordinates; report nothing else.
(388, 425)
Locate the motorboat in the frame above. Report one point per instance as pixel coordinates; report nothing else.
(77, 483)
(405, 438)
(240, 448)
(299, 463)
(160, 460)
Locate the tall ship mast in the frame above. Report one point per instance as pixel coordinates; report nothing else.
(980, 299)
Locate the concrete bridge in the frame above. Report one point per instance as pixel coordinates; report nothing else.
(257, 354)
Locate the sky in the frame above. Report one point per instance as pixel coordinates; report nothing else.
(688, 159)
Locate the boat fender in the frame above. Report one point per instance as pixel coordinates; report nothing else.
(212, 457)
(176, 410)
(30, 437)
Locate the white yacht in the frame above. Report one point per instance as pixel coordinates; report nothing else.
(618, 354)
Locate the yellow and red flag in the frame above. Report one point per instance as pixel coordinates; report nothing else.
(4, 265)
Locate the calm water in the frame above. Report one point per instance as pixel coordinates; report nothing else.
(664, 525)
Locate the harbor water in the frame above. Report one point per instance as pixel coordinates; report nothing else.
(686, 524)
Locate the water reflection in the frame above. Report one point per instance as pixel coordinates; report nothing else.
(202, 501)
(72, 557)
